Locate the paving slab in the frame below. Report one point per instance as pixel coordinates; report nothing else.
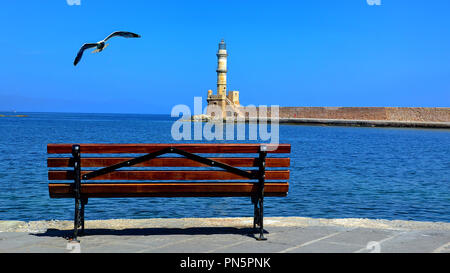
(227, 235)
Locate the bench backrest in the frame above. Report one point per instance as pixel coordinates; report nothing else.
(156, 163)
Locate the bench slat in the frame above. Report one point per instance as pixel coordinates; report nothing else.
(167, 175)
(149, 148)
(167, 162)
(96, 190)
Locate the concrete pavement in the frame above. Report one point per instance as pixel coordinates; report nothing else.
(227, 235)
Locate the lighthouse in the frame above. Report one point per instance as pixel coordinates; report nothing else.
(223, 97)
(222, 69)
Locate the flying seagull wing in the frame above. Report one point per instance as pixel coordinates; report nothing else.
(124, 34)
(80, 52)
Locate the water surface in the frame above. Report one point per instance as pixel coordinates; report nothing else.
(336, 172)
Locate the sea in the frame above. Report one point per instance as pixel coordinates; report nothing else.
(336, 172)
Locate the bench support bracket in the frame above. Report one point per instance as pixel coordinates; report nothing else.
(204, 160)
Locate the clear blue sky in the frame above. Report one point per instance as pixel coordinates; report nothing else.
(288, 53)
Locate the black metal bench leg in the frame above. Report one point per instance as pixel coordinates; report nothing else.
(255, 216)
(255, 211)
(79, 207)
(83, 203)
(261, 221)
(260, 198)
(77, 218)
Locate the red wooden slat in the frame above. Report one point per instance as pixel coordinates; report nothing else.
(168, 175)
(93, 190)
(149, 148)
(167, 162)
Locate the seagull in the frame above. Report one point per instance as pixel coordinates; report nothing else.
(101, 45)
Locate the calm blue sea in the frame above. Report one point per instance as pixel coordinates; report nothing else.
(336, 172)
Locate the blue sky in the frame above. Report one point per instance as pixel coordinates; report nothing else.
(287, 53)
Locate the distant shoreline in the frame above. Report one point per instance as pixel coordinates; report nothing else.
(13, 116)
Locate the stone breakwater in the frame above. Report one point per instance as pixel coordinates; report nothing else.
(407, 114)
(366, 123)
(419, 117)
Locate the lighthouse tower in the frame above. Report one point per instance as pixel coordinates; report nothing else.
(222, 99)
(222, 69)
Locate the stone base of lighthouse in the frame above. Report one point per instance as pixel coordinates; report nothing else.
(223, 106)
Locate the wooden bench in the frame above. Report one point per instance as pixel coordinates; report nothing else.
(144, 176)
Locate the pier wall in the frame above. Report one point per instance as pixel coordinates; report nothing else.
(417, 114)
